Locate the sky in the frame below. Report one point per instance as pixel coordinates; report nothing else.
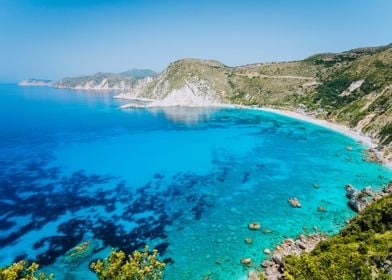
(52, 39)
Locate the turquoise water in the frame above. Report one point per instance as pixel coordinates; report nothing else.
(187, 181)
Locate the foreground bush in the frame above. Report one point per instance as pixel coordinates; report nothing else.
(138, 266)
(363, 250)
(20, 270)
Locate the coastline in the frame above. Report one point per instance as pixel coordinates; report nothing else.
(363, 139)
(342, 129)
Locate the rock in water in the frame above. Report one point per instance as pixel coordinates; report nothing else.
(267, 251)
(246, 261)
(294, 202)
(248, 240)
(321, 209)
(252, 275)
(358, 199)
(254, 226)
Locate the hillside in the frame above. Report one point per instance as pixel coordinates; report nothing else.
(353, 88)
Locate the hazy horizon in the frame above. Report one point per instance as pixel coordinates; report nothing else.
(54, 39)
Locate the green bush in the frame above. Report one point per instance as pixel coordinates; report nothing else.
(138, 266)
(357, 252)
(21, 271)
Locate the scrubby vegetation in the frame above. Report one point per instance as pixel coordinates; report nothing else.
(142, 265)
(21, 270)
(138, 266)
(363, 250)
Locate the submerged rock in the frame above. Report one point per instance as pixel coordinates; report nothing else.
(248, 240)
(321, 209)
(80, 253)
(294, 202)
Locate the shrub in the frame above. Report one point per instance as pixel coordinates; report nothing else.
(138, 266)
(20, 270)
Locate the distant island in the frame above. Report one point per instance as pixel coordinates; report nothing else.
(99, 81)
(35, 82)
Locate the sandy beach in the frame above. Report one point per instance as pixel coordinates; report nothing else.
(357, 135)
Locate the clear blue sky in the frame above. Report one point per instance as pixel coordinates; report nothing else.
(56, 38)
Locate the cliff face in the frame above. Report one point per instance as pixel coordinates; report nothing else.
(352, 88)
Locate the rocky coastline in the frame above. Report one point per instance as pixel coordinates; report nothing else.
(273, 267)
(360, 199)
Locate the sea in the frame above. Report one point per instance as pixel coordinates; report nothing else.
(75, 170)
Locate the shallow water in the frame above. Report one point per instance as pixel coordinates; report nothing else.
(186, 181)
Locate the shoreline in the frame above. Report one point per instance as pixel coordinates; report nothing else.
(339, 128)
(366, 140)
(360, 137)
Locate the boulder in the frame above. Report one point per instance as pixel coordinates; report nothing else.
(267, 263)
(267, 251)
(253, 275)
(254, 226)
(277, 259)
(294, 202)
(368, 191)
(246, 261)
(358, 199)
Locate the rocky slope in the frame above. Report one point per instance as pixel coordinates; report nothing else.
(353, 88)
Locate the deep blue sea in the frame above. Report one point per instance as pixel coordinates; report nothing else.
(73, 168)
